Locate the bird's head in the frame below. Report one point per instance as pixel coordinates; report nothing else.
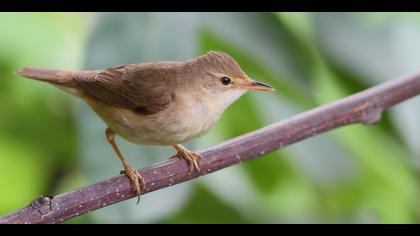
(222, 77)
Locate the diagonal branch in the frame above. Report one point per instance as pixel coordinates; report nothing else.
(364, 107)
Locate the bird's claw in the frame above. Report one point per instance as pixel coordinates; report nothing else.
(136, 180)
(193, 159)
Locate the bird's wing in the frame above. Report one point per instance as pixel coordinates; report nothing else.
(144, 89)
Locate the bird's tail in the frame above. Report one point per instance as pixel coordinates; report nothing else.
(57, 77)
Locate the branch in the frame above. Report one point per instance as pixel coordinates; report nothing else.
(364, 107)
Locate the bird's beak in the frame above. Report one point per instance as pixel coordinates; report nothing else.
(254, 85)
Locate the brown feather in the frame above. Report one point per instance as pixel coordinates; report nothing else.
(139, 87)
(58, 77)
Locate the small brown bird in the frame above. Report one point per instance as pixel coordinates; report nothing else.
(158, 103)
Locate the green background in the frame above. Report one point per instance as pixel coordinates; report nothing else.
(51, 142)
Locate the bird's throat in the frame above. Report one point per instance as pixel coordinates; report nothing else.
(229, 97)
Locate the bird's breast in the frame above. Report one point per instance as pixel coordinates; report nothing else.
(181, 121)
(188, 120)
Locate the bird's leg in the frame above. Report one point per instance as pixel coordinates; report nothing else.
(192, 158)
(136, 179)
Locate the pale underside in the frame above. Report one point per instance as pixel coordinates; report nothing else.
(188, 118)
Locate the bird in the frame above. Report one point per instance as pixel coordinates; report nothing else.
(164, 103)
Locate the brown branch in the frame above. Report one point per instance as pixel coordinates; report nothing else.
(364, 107)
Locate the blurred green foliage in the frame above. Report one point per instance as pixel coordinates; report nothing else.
(37, 147)
(51, 142)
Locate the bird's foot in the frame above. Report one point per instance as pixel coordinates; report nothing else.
(193, 158)
(136, 179)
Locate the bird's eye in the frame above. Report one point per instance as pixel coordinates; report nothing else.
(225, 80)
